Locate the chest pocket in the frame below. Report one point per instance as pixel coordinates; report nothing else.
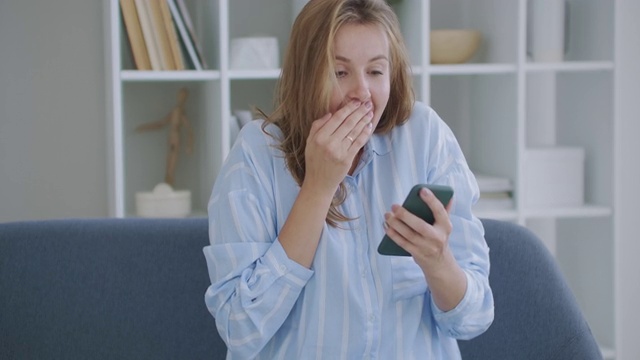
(408, 279)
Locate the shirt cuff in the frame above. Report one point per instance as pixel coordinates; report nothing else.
(456, 314)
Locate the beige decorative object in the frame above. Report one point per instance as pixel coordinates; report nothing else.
(453, 46)
(163, 202)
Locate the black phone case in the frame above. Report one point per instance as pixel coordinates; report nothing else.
(416, 206)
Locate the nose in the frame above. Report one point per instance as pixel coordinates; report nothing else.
(359, 89)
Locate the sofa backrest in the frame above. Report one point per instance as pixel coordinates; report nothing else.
(134, 289)
(105, 289)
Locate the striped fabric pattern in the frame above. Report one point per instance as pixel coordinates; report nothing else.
(353, 303)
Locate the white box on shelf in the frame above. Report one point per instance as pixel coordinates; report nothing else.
(554, 176)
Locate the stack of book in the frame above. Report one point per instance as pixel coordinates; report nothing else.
(495, 193)
(161, 35)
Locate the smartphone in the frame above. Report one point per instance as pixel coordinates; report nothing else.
(418, 207)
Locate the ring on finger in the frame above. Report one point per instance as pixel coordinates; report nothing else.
(349, 138)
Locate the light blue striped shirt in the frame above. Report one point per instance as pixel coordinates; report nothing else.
(353, 303)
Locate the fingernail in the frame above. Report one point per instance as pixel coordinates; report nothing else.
(356, 102)
(368, 104)
(425, 191)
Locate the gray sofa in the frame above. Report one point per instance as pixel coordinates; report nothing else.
(133, 289)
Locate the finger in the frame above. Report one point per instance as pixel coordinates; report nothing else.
(440, 213)
(360, 123)
(391, 229)
(409, 225)
(316, 130)
(358, 116)
(362, 131)
(319, 123)
(339, 117)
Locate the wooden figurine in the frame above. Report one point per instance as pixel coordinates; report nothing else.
(177, 122)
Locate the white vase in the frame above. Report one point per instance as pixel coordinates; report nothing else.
(546, 28)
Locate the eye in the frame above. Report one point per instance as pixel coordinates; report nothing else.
(376, 72)
(341, 73)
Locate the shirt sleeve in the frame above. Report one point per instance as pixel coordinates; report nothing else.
(474, 314)
(254, 285)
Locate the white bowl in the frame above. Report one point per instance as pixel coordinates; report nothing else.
(453, 46)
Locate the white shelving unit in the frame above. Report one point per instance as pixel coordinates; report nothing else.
(495, 104)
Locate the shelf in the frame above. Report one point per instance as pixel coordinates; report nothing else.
(254, 74)
(539, 213)
(607, 353)
(570, 66)
(507, 215)
(472, 69)
(499, 105)
(479, 69)
(458, 69)
(568, 212)
(187, 75)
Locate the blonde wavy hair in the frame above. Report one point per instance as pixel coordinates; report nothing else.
(303, 91)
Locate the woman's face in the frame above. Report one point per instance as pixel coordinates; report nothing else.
(362, 68)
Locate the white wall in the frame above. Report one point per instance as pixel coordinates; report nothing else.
(52, 122)
(627, 166)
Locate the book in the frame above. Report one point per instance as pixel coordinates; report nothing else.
(184, 35)
(172, 35)
(184, 12)
(160, 31)
(488, 183)
(134, 33)
(148, 34)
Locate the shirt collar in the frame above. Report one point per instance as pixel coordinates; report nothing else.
(380, 144)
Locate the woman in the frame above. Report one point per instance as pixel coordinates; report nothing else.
(306, 195)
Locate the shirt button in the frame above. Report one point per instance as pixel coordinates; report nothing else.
(372, 317)
(364, 274)
(283, 267)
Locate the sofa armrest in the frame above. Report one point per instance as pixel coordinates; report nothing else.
(536, 314)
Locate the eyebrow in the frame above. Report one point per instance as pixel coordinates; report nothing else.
(375, 58)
